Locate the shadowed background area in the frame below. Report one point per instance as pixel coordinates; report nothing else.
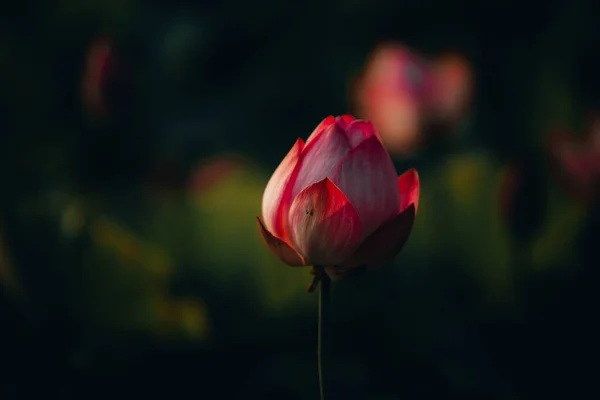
(136, 140)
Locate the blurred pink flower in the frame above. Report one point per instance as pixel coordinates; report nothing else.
(402, 93)
(454, 87)
(577, 160)
(335, 201)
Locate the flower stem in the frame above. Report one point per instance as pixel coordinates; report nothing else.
(324, 296)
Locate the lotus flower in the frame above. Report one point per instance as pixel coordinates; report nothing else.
(336, 201)
(402, 93)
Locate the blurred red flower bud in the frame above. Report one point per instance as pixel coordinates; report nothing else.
(98, 66)
(576, 161)
(106, 84)
(454, 88)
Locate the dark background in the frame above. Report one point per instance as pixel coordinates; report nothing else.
(122, 279)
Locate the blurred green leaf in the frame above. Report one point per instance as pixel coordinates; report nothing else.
(459, 216)
(230, 239)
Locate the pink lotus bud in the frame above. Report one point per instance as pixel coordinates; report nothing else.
(335, 201)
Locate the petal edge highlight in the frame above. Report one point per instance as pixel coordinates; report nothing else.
(409, 187)
(281, 249)
(320, 128)
(277, 195)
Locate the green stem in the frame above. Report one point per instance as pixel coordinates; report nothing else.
(324, 295)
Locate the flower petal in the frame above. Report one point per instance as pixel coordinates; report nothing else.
(368, 179)
(321, 157)
(344, 120)
(280, 248)
(320, 128)
(278, 193)
(359, 130)
(324, 226)
(385, 243)
(409, 186)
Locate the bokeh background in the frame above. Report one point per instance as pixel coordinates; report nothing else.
(131, 265)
